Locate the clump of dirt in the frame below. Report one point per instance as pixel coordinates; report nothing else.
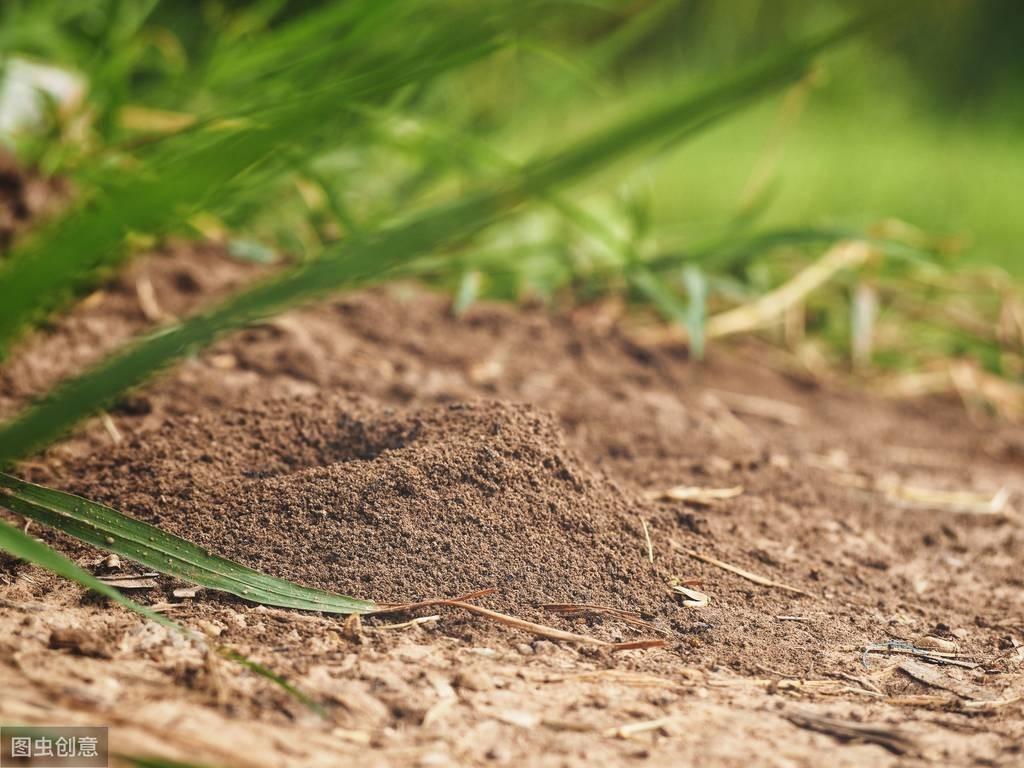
(25, 197)
(389, 504)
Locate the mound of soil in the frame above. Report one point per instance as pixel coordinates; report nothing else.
(389, 504)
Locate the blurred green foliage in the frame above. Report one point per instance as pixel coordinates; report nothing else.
(317, 128)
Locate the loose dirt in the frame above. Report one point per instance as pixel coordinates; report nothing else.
(26, 198)
(377, 445)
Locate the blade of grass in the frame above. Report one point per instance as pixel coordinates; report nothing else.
(696, 311)
(141, 761)
(372, 255)
(660, 295)
(272, 676)
(108, 529)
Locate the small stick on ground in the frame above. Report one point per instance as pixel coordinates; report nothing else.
(405, 624)
(629, 617)
(403, 607)
(762, 580)
(909, 649)
(693, 494)
(768, 308)
(647, 538)
(632, 729)
(511, 621)
(894, 740)
(762, 407)
(551, 632)
(966, 502)
(148, 303)
(111, 427)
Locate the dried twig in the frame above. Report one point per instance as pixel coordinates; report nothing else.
(405, 624)
(647, 538)
(763, 407)
(968, 502)
(892, 739)
(990, 705)
(693, 494)
(629, 617)
(932, 676)
(403, 607)
(511, 621)
(918, 497)
(147, 300)
(762, 580)
(633, 679)
(111, 427)
(131, 580)
(632, 729)
(901, 647)
(771, 306)
(551, 632)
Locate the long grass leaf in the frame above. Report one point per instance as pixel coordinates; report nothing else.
(141, 761)
(265, 672)
(108, 529)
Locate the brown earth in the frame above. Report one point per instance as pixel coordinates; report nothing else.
(26, 198)
(377, 445)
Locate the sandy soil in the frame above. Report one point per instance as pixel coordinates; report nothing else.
(523, 450)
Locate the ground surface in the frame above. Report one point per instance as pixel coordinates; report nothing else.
(377, 445)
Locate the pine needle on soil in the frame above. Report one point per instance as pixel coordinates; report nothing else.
(576, 609)
(694, 494)
(749, 576)
(527, 626)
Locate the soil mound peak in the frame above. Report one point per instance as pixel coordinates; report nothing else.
(389, 504)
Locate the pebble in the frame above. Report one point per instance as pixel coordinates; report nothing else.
(471, 680)
(933, 643)
(544, 648)
(209, 628)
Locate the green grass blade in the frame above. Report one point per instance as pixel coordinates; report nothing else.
(697, 310)
(276, 679)
(108, 529)
(660, 295)
(141, 761)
